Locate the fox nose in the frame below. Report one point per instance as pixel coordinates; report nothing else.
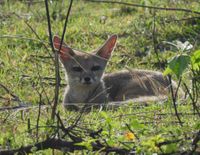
(87, 79)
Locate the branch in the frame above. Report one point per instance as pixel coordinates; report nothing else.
(154, 38)
(174, 99)
(145, 6)
(56, 62)
(21, 107)
(35, 33)
(57, 65)
(195, 142)
(192, 99)
(48, 143)
(57, 75)
(15, 98)
(61, 145)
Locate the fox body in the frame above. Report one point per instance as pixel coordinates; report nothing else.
(87, 82)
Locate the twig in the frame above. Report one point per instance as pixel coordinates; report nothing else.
(179, 84)
(154, 39)
(67, 130)
(21, 107)
(32, 29)
(174, 100)
(52, 143)
(21, 37)
(33, 2)
(57, 75)
(194, 143)
(78, 119)
(129, 128)
(168, 142)
(146, 6)
(15, 98)
(182, 19)
(38, 118)
(192, 99)
(57, 62)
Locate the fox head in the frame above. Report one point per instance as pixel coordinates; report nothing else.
(85, 69)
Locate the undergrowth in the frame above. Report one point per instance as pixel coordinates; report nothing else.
(27, 75)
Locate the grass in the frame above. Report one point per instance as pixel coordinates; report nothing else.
(27, 69)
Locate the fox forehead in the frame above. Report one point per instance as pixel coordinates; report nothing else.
(85, 60)
(88, 59)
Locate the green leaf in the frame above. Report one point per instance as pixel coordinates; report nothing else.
(177, 65)
(104, 114)
(135, 124)
(87, 144)
(170, 148)
(195, 60)
(167, 71)
(197, 126)
(106, 117)
(111, 142)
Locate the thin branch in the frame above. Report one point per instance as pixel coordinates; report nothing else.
(195, 143)
(46, 144)
(15, 98)
(177, 89)
(146, 6)
(167, 142)
(192, 99)
(21, 37)
(57, 74)
(35, 33)
(129, 128)
(67, 130)
(155, 39)
(57, 61)
(38, 118)
(182, 19)
(21, 107)
(174, 100)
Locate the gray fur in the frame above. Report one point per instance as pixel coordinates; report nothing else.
(87, 82)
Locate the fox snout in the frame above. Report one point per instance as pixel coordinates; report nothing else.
(87, 80)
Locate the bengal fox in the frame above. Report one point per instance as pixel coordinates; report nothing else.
(87, 82)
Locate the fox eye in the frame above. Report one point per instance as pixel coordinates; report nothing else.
(96, 68)
(77, 69)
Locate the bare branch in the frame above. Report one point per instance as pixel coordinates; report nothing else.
(61, 145)
(146, 6)
(174, 99)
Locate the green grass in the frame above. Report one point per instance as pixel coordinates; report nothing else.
(27, 70)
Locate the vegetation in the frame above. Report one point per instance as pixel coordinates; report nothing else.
(149, 38)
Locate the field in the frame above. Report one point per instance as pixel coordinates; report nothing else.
(149, 37)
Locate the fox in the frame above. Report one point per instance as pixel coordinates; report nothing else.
(88, 83)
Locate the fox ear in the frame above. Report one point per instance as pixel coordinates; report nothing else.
(65, 51)
(106, 50)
